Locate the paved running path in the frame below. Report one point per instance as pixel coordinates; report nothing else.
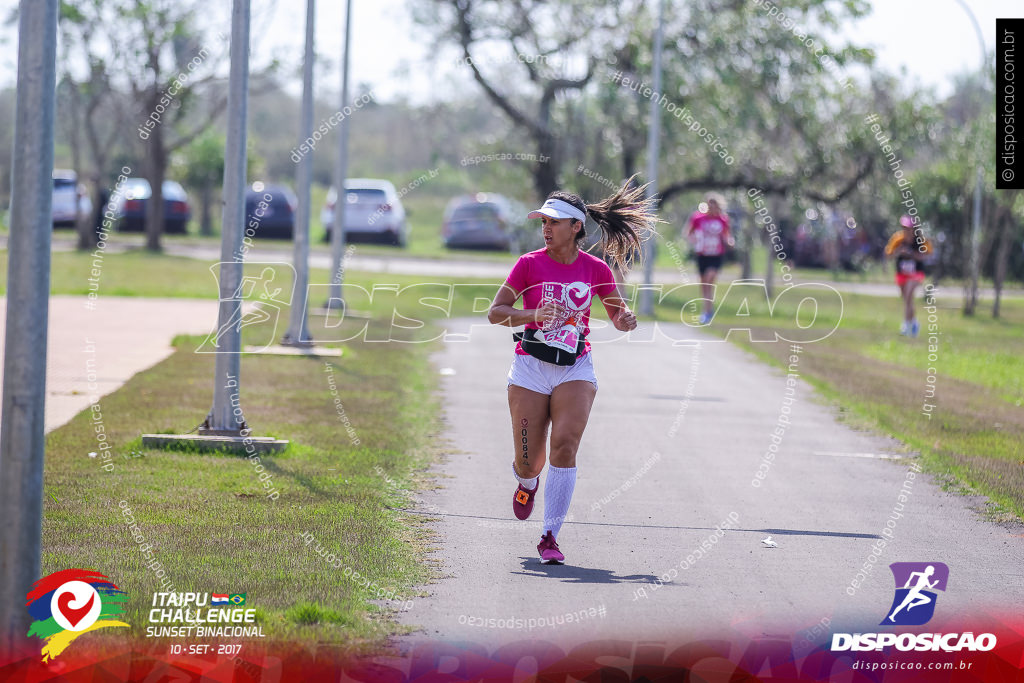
(823, 504)
(125, 334)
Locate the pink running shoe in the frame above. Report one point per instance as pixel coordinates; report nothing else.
(548, 549)
(522, 501)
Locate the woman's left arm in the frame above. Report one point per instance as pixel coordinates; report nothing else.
(618, 312)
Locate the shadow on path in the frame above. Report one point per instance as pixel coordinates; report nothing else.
(571, 574)
(778, 532)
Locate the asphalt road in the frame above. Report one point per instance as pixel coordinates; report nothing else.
(680, 433)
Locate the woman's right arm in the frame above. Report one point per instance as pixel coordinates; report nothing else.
(503, 312)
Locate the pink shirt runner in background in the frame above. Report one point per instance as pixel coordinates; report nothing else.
(537, 277)
(710, 233)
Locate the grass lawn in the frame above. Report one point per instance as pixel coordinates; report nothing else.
(213, 529)
(880, 379)
(141, 273)
(208, 518)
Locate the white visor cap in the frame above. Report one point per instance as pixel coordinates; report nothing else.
(556, 208)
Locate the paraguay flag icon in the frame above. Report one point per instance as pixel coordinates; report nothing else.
(218, 599)
(68, 603)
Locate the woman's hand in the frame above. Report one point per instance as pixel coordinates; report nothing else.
(625, 321)
(547, 312)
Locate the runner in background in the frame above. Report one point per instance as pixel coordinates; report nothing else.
(909, 247)
(709, 234)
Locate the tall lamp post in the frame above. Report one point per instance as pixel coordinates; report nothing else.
(340, 171)
(298, 331)
(22, 432)
(971, 296)
(653, 139)
(225, 417)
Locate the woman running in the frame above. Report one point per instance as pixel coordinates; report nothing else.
(910, 249)
(709, 235)
(552, 380)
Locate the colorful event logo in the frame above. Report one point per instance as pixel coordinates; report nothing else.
(914, 602)
(68, 603)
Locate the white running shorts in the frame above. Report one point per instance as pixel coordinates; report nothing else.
(536, 375)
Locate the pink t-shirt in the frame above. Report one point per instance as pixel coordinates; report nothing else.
(537, 277)
(710, 233)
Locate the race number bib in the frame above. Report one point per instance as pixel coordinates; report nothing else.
(567, 338)
(563, 330)
(557, 321)
(709, 238)
(908, 267)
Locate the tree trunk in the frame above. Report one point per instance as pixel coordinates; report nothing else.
(83, 220)
(156, 167)
(769, 273)
(1002, 256)
(744, 244)
(83, 223)
(970, 277)
(98, 204)
(205, 199)
(545, 175)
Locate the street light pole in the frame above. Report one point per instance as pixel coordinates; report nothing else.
(653, 147)
(298, 331)
(971, 296)
(226, 419)
(340, 170)
(22, 428)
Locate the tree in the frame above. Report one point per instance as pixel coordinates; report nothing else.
(754, 84)
(68, 102)
(1009, 231)
(532, 34)
(155, 51)
(202, 164)
(94, 109)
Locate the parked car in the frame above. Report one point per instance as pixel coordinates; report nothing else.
(270, 211)
(130, 206)
(830, 241)
(70, 199)
(484, 220)
(373, 212)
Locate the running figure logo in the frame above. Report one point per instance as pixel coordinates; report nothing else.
(261, 300)
(916, 583)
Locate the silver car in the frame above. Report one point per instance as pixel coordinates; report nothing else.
(373, 212)
(484, 220)
(70, 199)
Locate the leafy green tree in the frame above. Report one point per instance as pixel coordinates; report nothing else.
(739, 74)
(202, 169)
(156, 52)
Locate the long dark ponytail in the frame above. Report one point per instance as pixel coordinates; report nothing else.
(626, 219)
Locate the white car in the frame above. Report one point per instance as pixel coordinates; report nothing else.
(70, 200)
(373, 212)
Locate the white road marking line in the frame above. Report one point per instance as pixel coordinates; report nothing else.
(879, 456)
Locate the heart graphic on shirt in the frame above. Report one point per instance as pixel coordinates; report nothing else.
(72, 614)
(577, 296)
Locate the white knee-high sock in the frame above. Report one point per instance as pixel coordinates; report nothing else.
(557, 496)
(527, 483)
